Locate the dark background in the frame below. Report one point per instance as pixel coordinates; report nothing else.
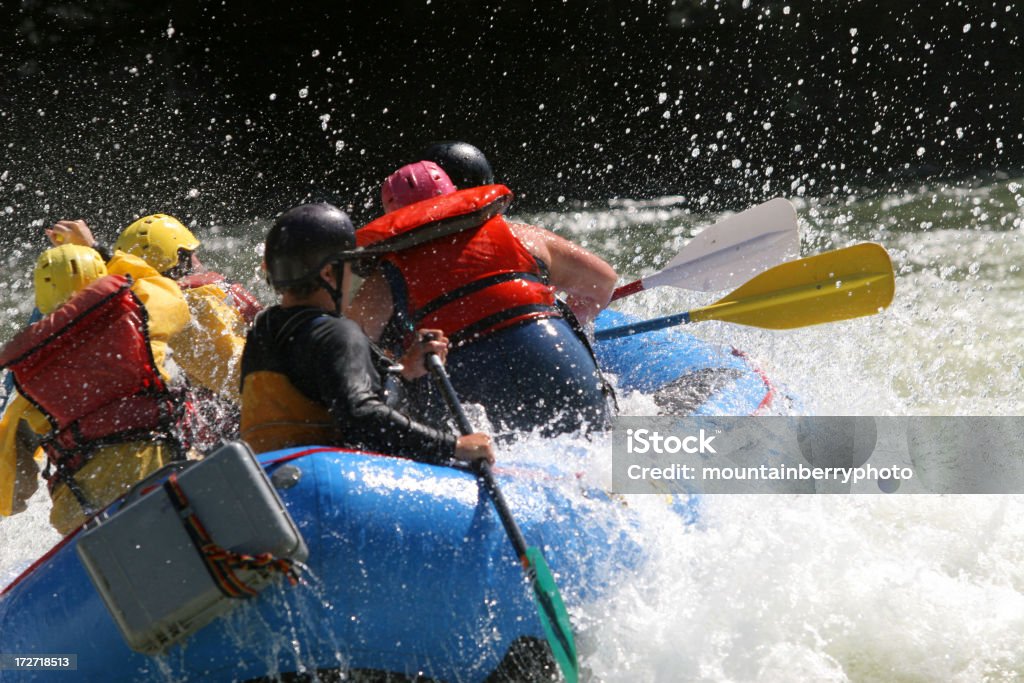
(229, 111)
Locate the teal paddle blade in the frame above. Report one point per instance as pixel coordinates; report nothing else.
(553, 615)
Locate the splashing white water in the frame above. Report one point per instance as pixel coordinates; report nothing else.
(783, 588)
(830, 588)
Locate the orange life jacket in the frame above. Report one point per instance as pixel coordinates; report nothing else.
(89, 368)
(463, 269)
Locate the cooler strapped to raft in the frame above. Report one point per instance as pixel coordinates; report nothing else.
(173, 560)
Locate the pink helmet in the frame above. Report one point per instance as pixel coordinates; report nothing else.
(413, 183)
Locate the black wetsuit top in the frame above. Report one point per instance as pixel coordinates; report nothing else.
(331, 361)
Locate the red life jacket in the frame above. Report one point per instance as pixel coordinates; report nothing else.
(463, 269)
(244, 301)
(89, 368)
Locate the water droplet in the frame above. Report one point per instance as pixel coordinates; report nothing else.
(303, 93)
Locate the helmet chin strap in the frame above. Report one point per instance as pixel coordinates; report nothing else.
(336, 292)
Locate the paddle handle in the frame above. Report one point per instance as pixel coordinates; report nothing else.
(448, 391)
(481, 467)
(643, 326)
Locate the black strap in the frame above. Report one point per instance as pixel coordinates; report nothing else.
(542, 268)
(103, 250)
(471, 288)
(470, 332)
(577, 327)
(397, 330)
(62, 474)
(295, 322)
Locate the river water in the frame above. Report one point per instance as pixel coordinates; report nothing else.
(782, 588)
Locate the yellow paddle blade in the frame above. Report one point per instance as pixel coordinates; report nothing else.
(837, 285)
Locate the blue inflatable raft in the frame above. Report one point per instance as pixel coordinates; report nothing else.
(409, 570)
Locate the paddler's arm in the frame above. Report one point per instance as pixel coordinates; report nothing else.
(351, 388)
(584, 276)
(76, 232)
(371, 306)
(209, 349)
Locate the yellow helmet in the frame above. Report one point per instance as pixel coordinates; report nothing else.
(156, 239)
(62, 271)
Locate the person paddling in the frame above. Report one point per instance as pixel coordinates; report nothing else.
(209, 348)
(310, 375)
(449, 259)
(587, 280)
(91, 381)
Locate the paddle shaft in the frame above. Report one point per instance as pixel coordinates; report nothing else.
(481, 467)
(643, 326)
(628, 289)
(552, 612)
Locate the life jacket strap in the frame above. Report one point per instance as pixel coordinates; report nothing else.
(63, 475)
(473, 287)
(471, 332)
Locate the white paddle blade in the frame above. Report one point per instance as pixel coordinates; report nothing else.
(732, 251)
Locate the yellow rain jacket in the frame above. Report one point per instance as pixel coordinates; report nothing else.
(209, 348)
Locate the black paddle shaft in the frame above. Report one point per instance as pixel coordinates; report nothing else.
(549, 601)
(481, 467)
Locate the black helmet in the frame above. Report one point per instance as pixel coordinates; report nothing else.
(465, 164)
(305, 238)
